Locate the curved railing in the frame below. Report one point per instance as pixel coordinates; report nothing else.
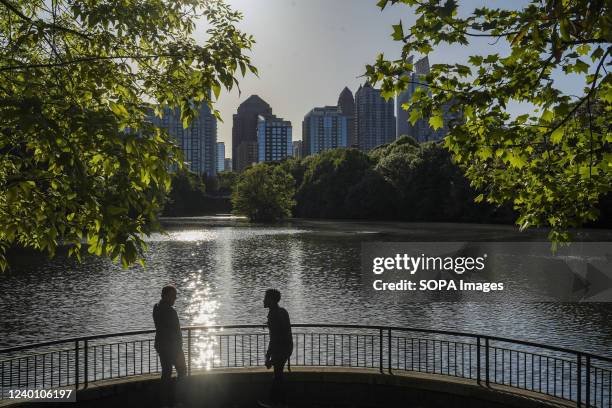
(572, 375)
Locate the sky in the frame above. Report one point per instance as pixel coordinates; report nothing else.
(307, 51)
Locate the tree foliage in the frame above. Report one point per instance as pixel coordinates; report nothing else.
(79, 162)
(187, 194)
(226, 181)
(264, 192)
(328, 176)
(403, 180)
(553, 165)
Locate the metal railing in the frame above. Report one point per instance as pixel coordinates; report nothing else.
(571, 375)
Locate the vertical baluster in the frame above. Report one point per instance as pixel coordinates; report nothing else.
(579, 380)
(555, 377)
(524, 370)
(389, 351)
(95, 362)
(405, 354)
(562, 379)
(478, 359)
(76, 365)
(455, 353)
(189, 351)
(134, 357)
(532, 375)
(487, 361)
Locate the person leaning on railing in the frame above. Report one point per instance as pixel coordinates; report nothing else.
(168, 342)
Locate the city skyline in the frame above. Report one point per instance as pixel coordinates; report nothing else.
(308, 51)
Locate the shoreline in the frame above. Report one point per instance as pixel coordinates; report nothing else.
(424, 231)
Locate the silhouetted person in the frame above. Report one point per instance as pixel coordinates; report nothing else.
(168, 342)
(280, 346)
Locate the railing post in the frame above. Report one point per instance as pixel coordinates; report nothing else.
(380, 351)
(188, 351)
(579, 381)
(588, 380)
(86, 369)
(76, 365)
(478, 359)
(487, 361)
(389, 351)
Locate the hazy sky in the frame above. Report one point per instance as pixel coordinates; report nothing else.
(307, 51)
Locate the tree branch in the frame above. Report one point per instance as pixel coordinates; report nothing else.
(584, 99)
(84, 59)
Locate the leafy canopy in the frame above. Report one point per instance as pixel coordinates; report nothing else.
(553, 164)
(79, 162)
(264, 192)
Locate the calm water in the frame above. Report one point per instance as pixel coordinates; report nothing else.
(222, 267)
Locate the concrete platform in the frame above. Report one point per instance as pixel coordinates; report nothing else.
(319, 387)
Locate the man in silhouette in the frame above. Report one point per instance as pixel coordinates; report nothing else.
(168, 342)
(279, 348)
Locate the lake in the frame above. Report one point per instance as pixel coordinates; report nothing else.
(222, 266)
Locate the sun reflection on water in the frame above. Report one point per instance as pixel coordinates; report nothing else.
(202, 309)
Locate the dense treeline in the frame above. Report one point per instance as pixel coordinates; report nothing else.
(403, 180)
(192, 194)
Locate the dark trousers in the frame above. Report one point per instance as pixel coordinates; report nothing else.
(278, 394)
(169, 359)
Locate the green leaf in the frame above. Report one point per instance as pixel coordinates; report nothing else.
(557, 135)
(216, 90)
(516, 160)
(382, 4)
(415, 115)
(547, 116)
(398, 32)
(437, 121)
(119, 110)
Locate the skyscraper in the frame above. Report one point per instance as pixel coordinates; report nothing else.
(220, 157)
(403, 125)
(198, 142)
(244, 131)
(421, 130)
(346, 106)
(324, 128)
(375, 120)
(273, 138)
(297, 149)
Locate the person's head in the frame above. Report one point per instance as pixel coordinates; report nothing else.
(168, 294)
(272, 298)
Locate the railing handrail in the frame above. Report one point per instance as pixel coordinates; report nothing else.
(313, 325)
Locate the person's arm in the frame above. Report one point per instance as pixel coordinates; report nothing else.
(273, 326)
(176, 328)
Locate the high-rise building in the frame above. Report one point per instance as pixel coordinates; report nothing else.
(346, 106)
(244, 131)
(375, 120)
(273, 138)
(220, 157)
(228, 165)
(324, 128)
(421, 130)
(403, 116)
(297, 149)
(246, 154)
(198, 141)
